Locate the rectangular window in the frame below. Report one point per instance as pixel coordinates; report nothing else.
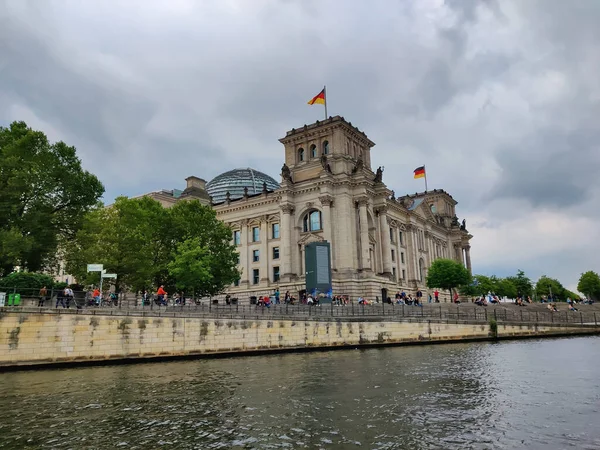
(394, 272)
(275, 252)
(403, 274)
(275, 231)
(392, 235)
(237, 237)
(401, 237)
(402, 257)
(255, 255)
(236, 282)
(393, 255)
(255, 234)
(255, 276)
(276, 273)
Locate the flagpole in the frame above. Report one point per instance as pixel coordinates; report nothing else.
(425, 170)
(325, 95)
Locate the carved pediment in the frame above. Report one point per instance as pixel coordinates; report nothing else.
(310, 237)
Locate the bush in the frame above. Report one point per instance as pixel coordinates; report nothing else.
(26, 282)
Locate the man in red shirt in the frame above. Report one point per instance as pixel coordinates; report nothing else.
(436, 294)
(161, 293)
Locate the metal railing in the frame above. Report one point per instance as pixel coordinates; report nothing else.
(587, 315)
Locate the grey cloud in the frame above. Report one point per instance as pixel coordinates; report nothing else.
(213, 85)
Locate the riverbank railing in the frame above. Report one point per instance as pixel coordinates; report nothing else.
(587, 315)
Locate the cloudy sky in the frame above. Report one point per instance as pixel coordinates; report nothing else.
(501, 100)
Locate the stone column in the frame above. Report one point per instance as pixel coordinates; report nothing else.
(468, 257)
(410, 254)
(365, 252)
(286, 241)
(386, 247)
(264, 250)
(327, 203)
(245, 266)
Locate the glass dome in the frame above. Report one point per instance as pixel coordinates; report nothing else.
(234, 182)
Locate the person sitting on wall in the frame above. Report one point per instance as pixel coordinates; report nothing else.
(571, 307)
(309, 300)
(267, 301)
(456, 300)
(96, 296)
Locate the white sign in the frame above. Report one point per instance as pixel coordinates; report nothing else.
(109, 275)
(2, 298)
(95, 267)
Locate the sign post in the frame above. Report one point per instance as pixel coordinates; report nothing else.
(97, 268)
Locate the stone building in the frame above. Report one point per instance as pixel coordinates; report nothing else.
(330, 192)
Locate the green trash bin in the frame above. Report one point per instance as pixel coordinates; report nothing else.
(14, 300)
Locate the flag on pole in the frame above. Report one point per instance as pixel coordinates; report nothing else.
(420, 172)
(319, 98)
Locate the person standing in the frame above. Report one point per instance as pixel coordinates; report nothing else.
(277, 296)
(60, 298)
(42, 296)
(436, 294)
(419, 297)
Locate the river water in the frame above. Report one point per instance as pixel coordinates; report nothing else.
(522, 394)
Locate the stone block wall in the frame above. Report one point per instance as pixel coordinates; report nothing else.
(27, 339)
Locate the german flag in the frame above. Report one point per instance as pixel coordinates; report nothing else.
(319, 98)
(420, 172)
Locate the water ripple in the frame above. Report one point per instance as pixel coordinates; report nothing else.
(512, 395)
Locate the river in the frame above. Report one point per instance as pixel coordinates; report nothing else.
(520, 394)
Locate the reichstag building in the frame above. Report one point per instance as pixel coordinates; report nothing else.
(329, 192)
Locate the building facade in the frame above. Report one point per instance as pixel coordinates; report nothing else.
(330, 192)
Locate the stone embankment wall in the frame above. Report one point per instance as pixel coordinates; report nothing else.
(31, 339)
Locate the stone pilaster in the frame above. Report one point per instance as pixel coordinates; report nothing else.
(244, 263)
(286, 232)
(468, 258)
(264, 250)
(327, 203)
(386, 248)
(365, 260)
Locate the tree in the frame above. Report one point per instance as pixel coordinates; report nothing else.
(26, 282)
(505, 287)
(572, 295)
(545, 285)
(447, 274)
(589, 284)
(197, 226)
(128, 238)
(523, 284)
(146, 244)
(44, 195)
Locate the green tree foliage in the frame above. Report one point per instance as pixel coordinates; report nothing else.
(523, 284)
(589, 284)
(26, 282)
(482, 284)
(148, 245)
(44, 194)
(447, 274)
(545, 284)
(572, 295)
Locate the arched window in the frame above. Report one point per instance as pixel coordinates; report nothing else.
(300, 154)
(312, 221)
(326, 148)
(313, 151)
